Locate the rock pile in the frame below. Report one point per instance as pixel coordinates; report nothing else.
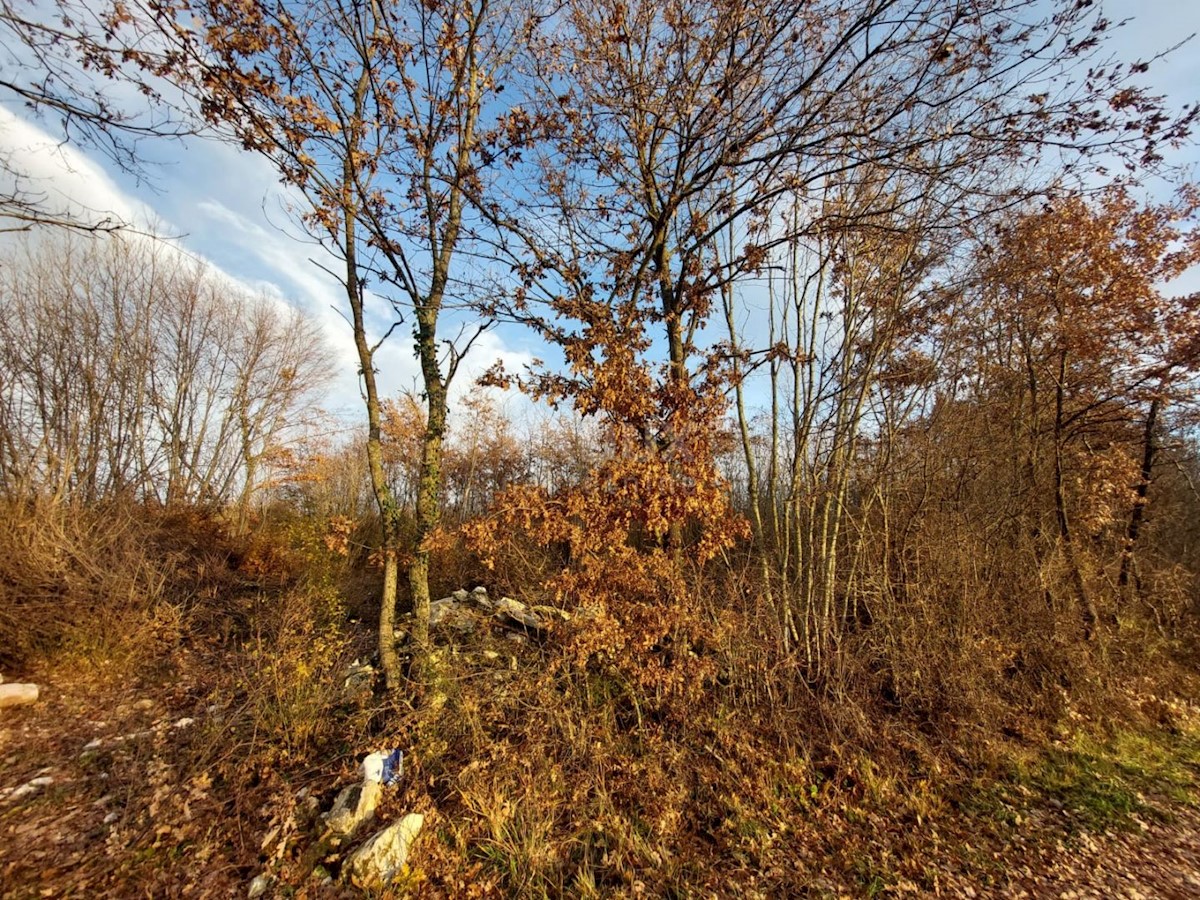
(465, 611)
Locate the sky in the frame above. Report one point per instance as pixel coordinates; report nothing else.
(226, 205)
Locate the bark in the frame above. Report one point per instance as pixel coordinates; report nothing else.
(1087, 606)
(1137, 514)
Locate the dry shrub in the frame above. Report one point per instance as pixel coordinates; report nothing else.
(88, 582)
(281, 690)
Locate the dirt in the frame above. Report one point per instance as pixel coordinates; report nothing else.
(1158, 860)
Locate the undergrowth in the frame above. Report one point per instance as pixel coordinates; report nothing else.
(585, 762)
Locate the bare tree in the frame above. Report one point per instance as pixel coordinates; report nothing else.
(171, 383)
(375, 113)
(89, 72)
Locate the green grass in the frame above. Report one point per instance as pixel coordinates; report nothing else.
(1102, 782)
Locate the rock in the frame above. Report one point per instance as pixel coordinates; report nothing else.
(359, 673)
(480, 596)
(439, 610)
(460, 595)
(518, 612)
(18, 694)
(449, 612)
(354, 807)
(384, 858)
(31, 787)
(259, 885)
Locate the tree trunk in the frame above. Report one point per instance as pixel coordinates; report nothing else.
(429, 485)
(1087, 605)
(1149, 452)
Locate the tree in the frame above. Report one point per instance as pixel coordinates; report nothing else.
(170, 385)
(375, 113)
(1077, 287)
(685, 143)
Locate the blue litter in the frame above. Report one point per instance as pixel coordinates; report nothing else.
(393, 767)
(384, 767)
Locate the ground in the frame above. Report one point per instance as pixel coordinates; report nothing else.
(104, 792)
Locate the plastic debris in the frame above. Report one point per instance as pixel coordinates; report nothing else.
(384, 767)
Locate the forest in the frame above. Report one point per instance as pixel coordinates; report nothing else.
(842, 540)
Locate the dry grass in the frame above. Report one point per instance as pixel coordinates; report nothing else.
(699, 762)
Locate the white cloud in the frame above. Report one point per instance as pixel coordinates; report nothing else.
(63, 180)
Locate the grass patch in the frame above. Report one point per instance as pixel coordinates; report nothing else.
(1102, 782)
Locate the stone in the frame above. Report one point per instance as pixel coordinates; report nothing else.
(518, 612)
(353, 808)
(449, 612)
(460, 595)
(18, 694)
(259, 885)
(480, 596)
(551, 612)
(31, 787)
(384, 858)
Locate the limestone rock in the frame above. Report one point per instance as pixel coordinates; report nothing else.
(359, 680)
(384, 858)
(259, 885)
(354, 807)
(518, 612)
(18, 694)
(448, 612)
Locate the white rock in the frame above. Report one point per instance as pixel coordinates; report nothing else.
(259, 885)
(18, 694)
(31, 787)
(440, 610)
(354, 807)
(449, 612)
(480, 596)
(520, 613)
(184, 722)
(384, 858)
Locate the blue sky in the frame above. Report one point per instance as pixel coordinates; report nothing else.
(226, 205)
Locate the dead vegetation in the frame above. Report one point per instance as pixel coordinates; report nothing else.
(617, 754)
